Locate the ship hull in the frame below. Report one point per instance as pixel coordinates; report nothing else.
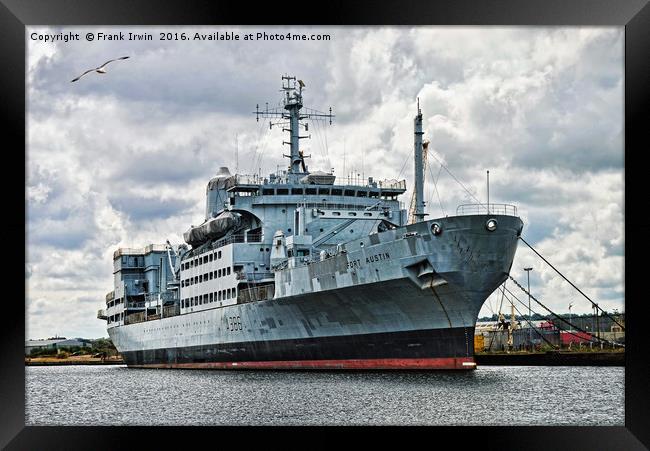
(424, 349)
(415, 308)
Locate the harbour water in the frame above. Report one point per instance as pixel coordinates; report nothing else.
(491, 395)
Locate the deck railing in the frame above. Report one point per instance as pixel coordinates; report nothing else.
(255, 294)
(165, 296)
(239, 238)
(253, 276)
(485, 209)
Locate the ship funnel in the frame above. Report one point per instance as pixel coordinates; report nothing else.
(223, 172)
(216, 193)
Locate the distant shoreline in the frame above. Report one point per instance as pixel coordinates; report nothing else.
(562, 358)
(68, 363)
(74, 360)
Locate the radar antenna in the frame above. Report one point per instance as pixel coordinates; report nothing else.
(292, 103)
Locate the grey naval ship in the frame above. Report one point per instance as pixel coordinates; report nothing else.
(302, 270)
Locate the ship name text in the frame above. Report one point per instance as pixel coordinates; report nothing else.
(354, 264)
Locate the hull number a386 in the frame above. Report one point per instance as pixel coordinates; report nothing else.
(234, 323)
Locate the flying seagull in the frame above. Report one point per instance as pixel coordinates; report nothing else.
(101, 69)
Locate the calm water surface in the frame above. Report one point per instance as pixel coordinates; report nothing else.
(116, 395)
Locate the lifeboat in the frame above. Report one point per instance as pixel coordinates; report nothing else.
(212, 229)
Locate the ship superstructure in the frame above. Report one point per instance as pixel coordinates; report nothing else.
(303, 270)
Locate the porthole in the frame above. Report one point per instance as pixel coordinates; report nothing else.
(491, 224)
(436, 229)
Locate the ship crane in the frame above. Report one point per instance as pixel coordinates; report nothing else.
(175, 268)
(425, 146)
(417, 203)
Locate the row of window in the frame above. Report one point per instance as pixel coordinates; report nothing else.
(212, 256)
(116, 317)
(328, 192)
(205, 277)
(132, 261)
(114, 302)
(222, 295)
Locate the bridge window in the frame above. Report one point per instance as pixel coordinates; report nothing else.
(325, 191)
(296, 191)
(349, 192)
(352, 213)
(283, 191)
(373, 194)
(268, 192)
(310, 191)
(210, 257)
(228, 270)
(362, 193)
(336, 192)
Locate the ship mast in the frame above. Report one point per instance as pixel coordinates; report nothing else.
(419, 167)
(293, 117)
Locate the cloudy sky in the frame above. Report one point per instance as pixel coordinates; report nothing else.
(122, 159)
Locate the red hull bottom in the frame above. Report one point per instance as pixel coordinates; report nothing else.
(447, 363)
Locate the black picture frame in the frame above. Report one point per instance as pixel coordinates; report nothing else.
(634, 15)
